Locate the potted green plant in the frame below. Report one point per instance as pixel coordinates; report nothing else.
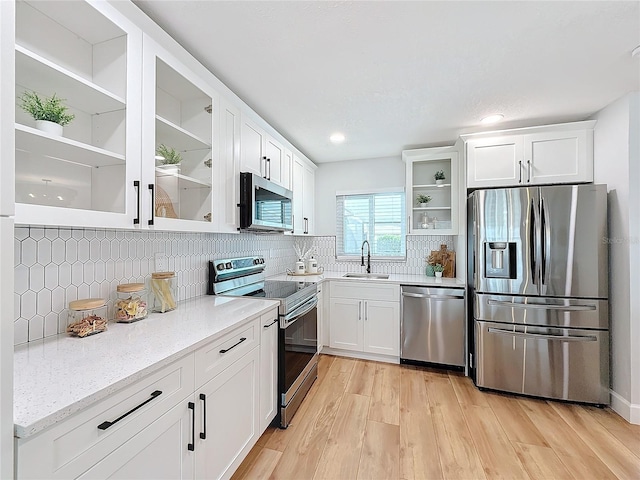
(49, 113)
(423, 200)
(438, 269)
(439, 176)
(168, 158)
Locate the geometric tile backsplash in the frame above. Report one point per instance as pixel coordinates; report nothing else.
(54, 266)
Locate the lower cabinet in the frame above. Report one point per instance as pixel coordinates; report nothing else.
(360, 323)
(196, 418)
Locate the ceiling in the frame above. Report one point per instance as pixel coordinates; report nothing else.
(393, 75)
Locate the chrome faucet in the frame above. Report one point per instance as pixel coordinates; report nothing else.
(368, 256)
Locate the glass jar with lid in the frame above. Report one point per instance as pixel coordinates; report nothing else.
(87, 317)
(163, 287)
(131, 302)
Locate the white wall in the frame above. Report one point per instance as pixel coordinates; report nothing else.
(365, 174)
(616, 164)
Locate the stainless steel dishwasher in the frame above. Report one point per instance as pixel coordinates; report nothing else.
(433, 326)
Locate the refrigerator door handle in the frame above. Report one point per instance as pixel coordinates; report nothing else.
(536, 336)
(545, 241)
(534, 243)
(564, 308)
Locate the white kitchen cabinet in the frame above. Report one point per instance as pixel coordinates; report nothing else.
(440, 216)
(268, 369)
(263, 155)
(180, 112)
(303, 196)
(88, 54)
(365, 317)
(232, 423)
(7, 119)
(531, 156)
(225, 209)
(322, 316)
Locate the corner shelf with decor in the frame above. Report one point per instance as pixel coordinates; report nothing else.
(179, 120)
(87, 54)
(432, 190)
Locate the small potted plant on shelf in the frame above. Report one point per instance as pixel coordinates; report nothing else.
(49, 113)
(423, 200)
(168, 158)
(438, 269)
(439, 176)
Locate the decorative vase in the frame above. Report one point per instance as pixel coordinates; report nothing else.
(52, 128)
(170, 168)
(438, 274)
(430, 272)
(423, 205)
(439, 182)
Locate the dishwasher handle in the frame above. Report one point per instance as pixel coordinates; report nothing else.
(433, 297)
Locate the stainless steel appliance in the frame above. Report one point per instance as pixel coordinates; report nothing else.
(264, 205)
(433, 326)
(298, 322)
(540, 284)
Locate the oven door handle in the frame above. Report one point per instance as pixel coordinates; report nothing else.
(298, 312)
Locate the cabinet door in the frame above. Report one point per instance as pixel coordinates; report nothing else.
(180, 124)
(252, 148)
(274, 151)
(559, 157)
(345, 317)
(286, 170)
(496, 161)
(232, 418)
(298, 197)
(308, 201)
(90, 55)
(7, 122)
(159, 451)
(227, 194)
(382, 327)
(322, 329)
(268, 369)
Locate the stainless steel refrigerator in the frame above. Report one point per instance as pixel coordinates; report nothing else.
(540, 287)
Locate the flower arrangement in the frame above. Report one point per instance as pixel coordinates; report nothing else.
(169, 155)
(438, 268)
(439, 175)
(49, 109)
(423, 199)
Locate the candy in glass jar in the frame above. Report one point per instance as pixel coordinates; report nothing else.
(131, 302)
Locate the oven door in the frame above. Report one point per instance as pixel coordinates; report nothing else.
(297, 350)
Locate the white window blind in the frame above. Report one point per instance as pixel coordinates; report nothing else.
(376, 217)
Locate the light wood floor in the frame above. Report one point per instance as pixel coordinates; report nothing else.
(369, 420)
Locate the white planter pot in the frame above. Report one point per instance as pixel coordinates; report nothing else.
(49, 127)
(170, 169)
(439, 182)
(438, 274)
(424, 205)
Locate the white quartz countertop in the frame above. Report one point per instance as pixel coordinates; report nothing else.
(58, 376)
(400, 279)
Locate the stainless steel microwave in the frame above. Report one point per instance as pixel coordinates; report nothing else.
(264, 206)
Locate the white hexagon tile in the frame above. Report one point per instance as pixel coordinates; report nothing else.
(55, 266)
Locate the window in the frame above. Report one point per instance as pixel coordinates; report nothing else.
(376, 217)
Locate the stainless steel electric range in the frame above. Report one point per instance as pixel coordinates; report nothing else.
(298, 322)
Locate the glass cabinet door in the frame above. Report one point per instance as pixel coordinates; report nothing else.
(81, 173)
(179, 144)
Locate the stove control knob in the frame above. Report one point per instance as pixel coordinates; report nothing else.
(256, 261)
(262, 260)
(220, 266)
(227, 265)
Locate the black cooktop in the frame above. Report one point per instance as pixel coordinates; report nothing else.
(278, 289)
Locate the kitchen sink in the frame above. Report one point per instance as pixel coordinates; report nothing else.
(377, 276)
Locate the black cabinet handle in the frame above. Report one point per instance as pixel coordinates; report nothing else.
(192, 446)
(520, 177)
(275, 321)
(153, 203)
(233, 346)
(265, 167)
(269, 169)
(203, 433)
(136, 185)
(107, 424)
(306, 225)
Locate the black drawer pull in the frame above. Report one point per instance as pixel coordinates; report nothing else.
(192, 446)
(107, 424)
(275, 321)
(203, 433)
(233, 346)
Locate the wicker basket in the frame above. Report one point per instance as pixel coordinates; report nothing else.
(164, 207)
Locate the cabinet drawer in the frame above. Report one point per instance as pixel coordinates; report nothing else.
(365, 291)
(70, 447)
(219, 354)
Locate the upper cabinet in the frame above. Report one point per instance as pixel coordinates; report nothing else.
(531, 156)
(432, 190)
(263, 155)
(303, 196)
(180, 149)
(88, 55)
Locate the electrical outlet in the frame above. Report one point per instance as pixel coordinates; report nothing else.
(161, 264)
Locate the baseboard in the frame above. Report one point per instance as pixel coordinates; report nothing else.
(359, 355)
(629, 411)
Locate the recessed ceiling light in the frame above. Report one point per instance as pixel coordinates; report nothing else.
(492, 119)
(636, 52)
(337, 137)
